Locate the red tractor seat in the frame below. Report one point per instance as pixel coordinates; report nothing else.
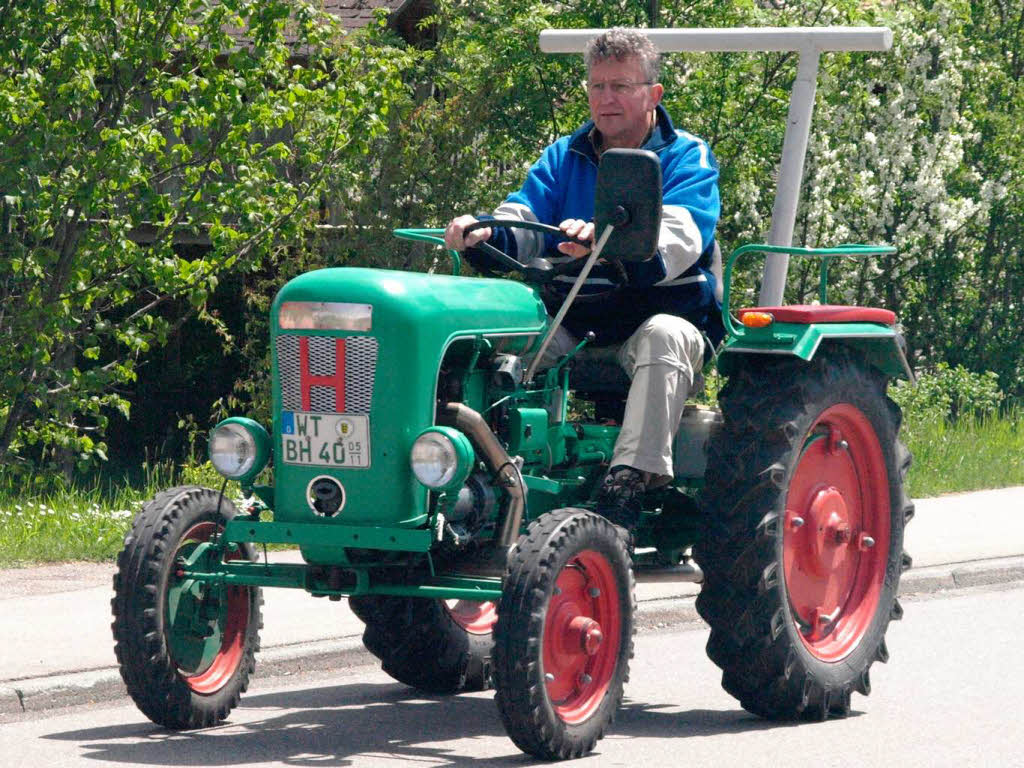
(805, 314)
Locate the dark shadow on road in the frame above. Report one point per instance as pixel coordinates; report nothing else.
(332, 726)
(342, 725)
(644, 720)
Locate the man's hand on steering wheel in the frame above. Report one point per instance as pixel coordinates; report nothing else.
(581, 230)
(455, 237)
(468, 232)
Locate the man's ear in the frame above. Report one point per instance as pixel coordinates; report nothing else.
(657, 91)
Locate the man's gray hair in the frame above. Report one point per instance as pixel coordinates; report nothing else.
(621, 44)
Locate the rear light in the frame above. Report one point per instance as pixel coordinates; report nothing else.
(757, 319)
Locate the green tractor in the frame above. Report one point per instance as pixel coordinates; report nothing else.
(429, 472)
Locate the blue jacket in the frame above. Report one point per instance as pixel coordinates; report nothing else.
(682, 279)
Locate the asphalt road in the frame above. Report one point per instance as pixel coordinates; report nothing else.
(951, 695)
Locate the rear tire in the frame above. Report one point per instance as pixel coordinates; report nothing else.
(802, 548)
(185, 651)
(431, 645)
(564, 635)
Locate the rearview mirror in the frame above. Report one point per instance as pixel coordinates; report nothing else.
(628, 196)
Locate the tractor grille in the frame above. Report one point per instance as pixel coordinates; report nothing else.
(308, 367)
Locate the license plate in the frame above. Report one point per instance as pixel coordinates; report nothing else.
(325, 439)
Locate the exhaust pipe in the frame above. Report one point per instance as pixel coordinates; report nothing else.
(472, 423)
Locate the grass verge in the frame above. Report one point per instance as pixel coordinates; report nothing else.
(85, 523)
(965, 455)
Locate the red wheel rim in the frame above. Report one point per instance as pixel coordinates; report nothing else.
(473, 616)
(836, 534)
(582, 636)
(213, 673)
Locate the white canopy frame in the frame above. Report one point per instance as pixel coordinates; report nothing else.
(810, 43)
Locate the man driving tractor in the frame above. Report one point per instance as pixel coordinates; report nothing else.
(660, 316)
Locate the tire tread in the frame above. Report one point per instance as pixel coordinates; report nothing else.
(743, 595)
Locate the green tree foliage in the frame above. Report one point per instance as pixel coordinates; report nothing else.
(138, 113)
(129, 127)
(989, 335)
(916, 148)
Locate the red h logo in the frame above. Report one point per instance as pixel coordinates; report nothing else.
(307, 380)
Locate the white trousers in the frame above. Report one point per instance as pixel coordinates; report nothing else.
(661, 358)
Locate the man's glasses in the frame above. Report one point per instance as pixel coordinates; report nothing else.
(617, 87)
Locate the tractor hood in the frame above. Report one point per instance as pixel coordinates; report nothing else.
(369, 371)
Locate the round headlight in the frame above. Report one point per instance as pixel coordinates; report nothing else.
(441, 458)
(232, 450)
(433, 459)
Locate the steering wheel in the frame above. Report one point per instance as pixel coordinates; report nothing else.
(541, 270)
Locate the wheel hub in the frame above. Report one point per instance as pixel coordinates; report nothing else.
(829, 531)
(206, 624)
(837, 507)
(587, 633)
(580, 631)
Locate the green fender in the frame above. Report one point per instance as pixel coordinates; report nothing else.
(881, 345)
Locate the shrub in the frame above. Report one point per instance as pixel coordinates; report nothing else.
(950, 394)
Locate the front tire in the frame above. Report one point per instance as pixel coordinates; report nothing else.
(564, 635)
(803, 542)
(185, 649)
